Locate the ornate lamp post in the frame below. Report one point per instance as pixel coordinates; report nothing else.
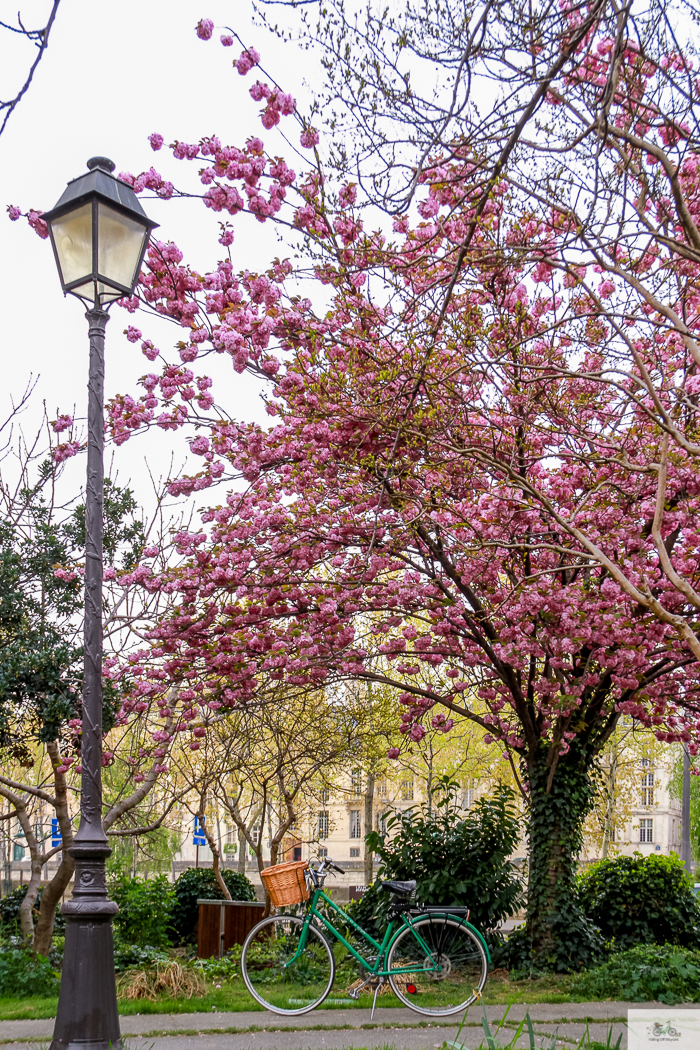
(99, 233)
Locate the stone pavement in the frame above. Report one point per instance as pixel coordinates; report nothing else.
(344, 1029)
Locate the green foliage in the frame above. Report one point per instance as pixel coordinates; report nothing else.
(123, 531)
(557, 935)
(647, 900)
(645, 973)
(9, 911)
(40, 650)
(22, 973)
(145, 911)
(149, 853)
(135, 957)
(200, 884)
(455, 858)
(675, 786)
(225, 969)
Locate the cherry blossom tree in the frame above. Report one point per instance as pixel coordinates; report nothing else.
(460, 493)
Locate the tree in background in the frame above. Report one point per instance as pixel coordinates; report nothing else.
(262, 763)
(630, 768)
(41, 603)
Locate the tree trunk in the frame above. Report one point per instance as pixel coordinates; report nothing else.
(216, 867)
(56, 888)
(26, 908)
(369, 806)
(241, 852)
(609, 807)
(557, 936)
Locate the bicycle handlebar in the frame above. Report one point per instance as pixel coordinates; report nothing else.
(327, 864)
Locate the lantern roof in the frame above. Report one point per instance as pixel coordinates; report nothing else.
(100, 182)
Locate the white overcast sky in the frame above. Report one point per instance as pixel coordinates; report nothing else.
(114, 73)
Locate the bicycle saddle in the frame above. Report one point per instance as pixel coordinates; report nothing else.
(402, 888)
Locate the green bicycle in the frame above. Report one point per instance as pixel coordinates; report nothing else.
(435, 961)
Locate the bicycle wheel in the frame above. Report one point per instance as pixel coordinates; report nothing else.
(280, 985)
(455, 949)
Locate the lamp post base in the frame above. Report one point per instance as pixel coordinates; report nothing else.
(87, 1017)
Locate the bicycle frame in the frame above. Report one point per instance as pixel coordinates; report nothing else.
(376, 968)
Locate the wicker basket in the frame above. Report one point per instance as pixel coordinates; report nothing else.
(286, 883)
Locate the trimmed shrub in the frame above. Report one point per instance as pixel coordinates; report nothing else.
(22, 974)
(642, 974)
(145, 911)
(200, 884)
(641, 900)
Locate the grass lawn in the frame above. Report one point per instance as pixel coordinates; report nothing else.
(233, 996)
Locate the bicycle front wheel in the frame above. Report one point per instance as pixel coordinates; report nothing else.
(281, 978)
(445, 978)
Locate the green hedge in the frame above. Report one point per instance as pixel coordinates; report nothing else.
(641, 900)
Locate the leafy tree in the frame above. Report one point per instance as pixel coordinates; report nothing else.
(41, 603)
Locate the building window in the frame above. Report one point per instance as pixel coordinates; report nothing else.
(17, 852)
(323, 824)
(255, 832)
(407, 790)
(381, 823)
(646, 830)
(296, 853)
(469, 795)
(381, 788)
(612, 834)
(356, 782)
(354, 852)
(322, 851)
(648, 789)
(325, 795)
(355, 824)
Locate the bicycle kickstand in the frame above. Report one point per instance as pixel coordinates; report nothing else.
(376, 993)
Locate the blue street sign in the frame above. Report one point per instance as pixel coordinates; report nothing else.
(198, 839)
(56, 836)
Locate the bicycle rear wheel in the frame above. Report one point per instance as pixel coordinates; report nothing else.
(455, 949)
(280, 985)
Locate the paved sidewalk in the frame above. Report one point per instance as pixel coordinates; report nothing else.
(344, 1029)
